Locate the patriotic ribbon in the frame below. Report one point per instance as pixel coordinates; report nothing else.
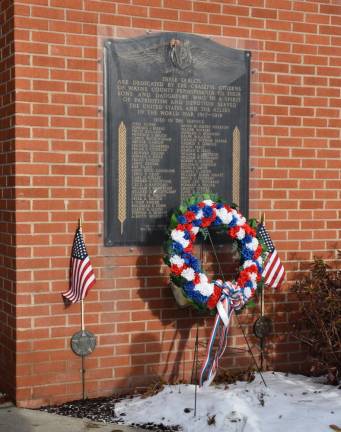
(230, 300)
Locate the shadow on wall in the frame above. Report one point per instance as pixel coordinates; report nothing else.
(168, 349)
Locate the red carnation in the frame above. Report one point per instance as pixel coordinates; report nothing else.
(189, 215)
(188, 226)
(196, 278)
(201, 205)
(249, 230)
(258, 252)
(243, 278)
(176, 270)
(234, 231)
(214, 298)
(180, 227)
(188, 248)
(252, 269)
(205, 222)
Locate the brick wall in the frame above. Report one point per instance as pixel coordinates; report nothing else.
(295, 155)
(7, 202)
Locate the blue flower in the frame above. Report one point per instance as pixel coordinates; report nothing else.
(220, 205)
(194, 295)
(186, 235)
(197, 222)
(233, 222)
(247, 254)
(191, 261)
(177, 247)
(217, 221)
(199, 298)
(247, 239)
(193, 208)
(181, 219)
(207, 210)
(189, 286)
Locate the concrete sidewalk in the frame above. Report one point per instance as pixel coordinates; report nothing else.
(14, 419)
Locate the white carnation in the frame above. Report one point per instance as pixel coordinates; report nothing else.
(240, 220)
(253, 245)
(206, 289)
(177, 235)
(260, 261)
(184, 243)
(241, 234)
(176, 260)
(208, 202)
(199, 215)
(247, 263)
(247, 292)
(224, 215)
(188, 274)
(203, 278)
(195, 230)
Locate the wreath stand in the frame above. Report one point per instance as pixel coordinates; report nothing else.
(206, 234)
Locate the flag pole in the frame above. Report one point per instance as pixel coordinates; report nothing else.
(80, 226)
(82, 301)
(262, 304)
(262, 221)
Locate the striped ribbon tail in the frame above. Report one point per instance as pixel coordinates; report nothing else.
(220, 331)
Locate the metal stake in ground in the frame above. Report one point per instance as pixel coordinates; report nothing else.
(246, 340)
(83, 343)
(263, 324)
(196, 350)
(196, 347)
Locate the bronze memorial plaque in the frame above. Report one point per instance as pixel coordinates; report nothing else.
(176, 120)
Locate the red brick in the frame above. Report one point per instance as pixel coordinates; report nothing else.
(207, 7)
(207, 29)
(28, 23)
(195, 17)
(178, 4)
(278, 25)
(69, 4)
(138, 11)
(168, 14)
(236, 32)
(227, 20)
(330, 30)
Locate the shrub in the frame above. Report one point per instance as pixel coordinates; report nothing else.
(319, 324)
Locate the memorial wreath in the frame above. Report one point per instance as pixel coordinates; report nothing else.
(187, 275)
(186, 269)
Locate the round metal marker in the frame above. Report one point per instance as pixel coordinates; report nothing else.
(83, 343)
(262, 327)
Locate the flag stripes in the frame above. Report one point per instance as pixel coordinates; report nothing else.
(273, 270)
(82, 276)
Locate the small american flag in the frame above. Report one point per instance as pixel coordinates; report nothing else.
(82, 276)
(273, 270)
